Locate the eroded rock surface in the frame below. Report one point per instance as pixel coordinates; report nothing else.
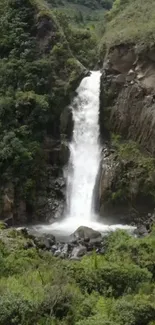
(127, 109)
(127, 95)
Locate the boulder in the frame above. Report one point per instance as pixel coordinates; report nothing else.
(96, 241)
(57, 253)
(78, 251)
(85, 233)
(44, 242)
(120, 79)
(64, 251)
(54, 248)
(141, 231)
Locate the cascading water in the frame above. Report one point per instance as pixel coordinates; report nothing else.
(84, 150)
(84, 162)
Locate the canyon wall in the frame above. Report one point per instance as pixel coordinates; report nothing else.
(127, 120)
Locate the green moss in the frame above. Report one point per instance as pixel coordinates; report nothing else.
(131, 150)
(136, 169)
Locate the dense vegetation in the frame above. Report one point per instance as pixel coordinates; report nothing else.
(115, 288)
(82, 42)
(38, 73)
(84, 13)
(93, 4)
(130, 21)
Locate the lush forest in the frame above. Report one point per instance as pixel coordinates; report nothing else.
(38, 73)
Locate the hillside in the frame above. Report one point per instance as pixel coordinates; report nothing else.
(38, 74)
(83, 13)
(130, 21)
(128, 109)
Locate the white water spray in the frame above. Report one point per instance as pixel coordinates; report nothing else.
(84, 150)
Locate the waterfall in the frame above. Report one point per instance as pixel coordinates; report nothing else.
(84, 163)
(84, 150)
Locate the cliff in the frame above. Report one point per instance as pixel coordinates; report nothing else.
(128, 108)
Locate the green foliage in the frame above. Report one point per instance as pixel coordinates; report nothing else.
(130, 21)
(115, 288)
(83, 42)
(94, 4)
(110, 279)
(2, 225)
(35, 85)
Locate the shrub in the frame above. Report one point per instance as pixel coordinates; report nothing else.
(110, 278)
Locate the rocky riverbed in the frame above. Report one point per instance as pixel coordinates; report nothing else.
(82, 242)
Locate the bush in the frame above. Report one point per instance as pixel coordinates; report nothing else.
(109, 278)
(15, 310)
(105, 290)
(138, 310)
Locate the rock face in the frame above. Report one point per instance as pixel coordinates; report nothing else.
(127, 95)
(124, 194)
(128, 109)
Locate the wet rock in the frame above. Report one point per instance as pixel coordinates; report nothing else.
(65, 249)
(120, 79)
(131, 75)
(44, 242)
(102, 250)
(54, 248)
(86, 240)
(24, 232)
(9, 221)
(86, 232)
(141, 231)
(73, 241)
(96, 241)
(78, 251)
(48, 243)
(57, 253)
(29, 244)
